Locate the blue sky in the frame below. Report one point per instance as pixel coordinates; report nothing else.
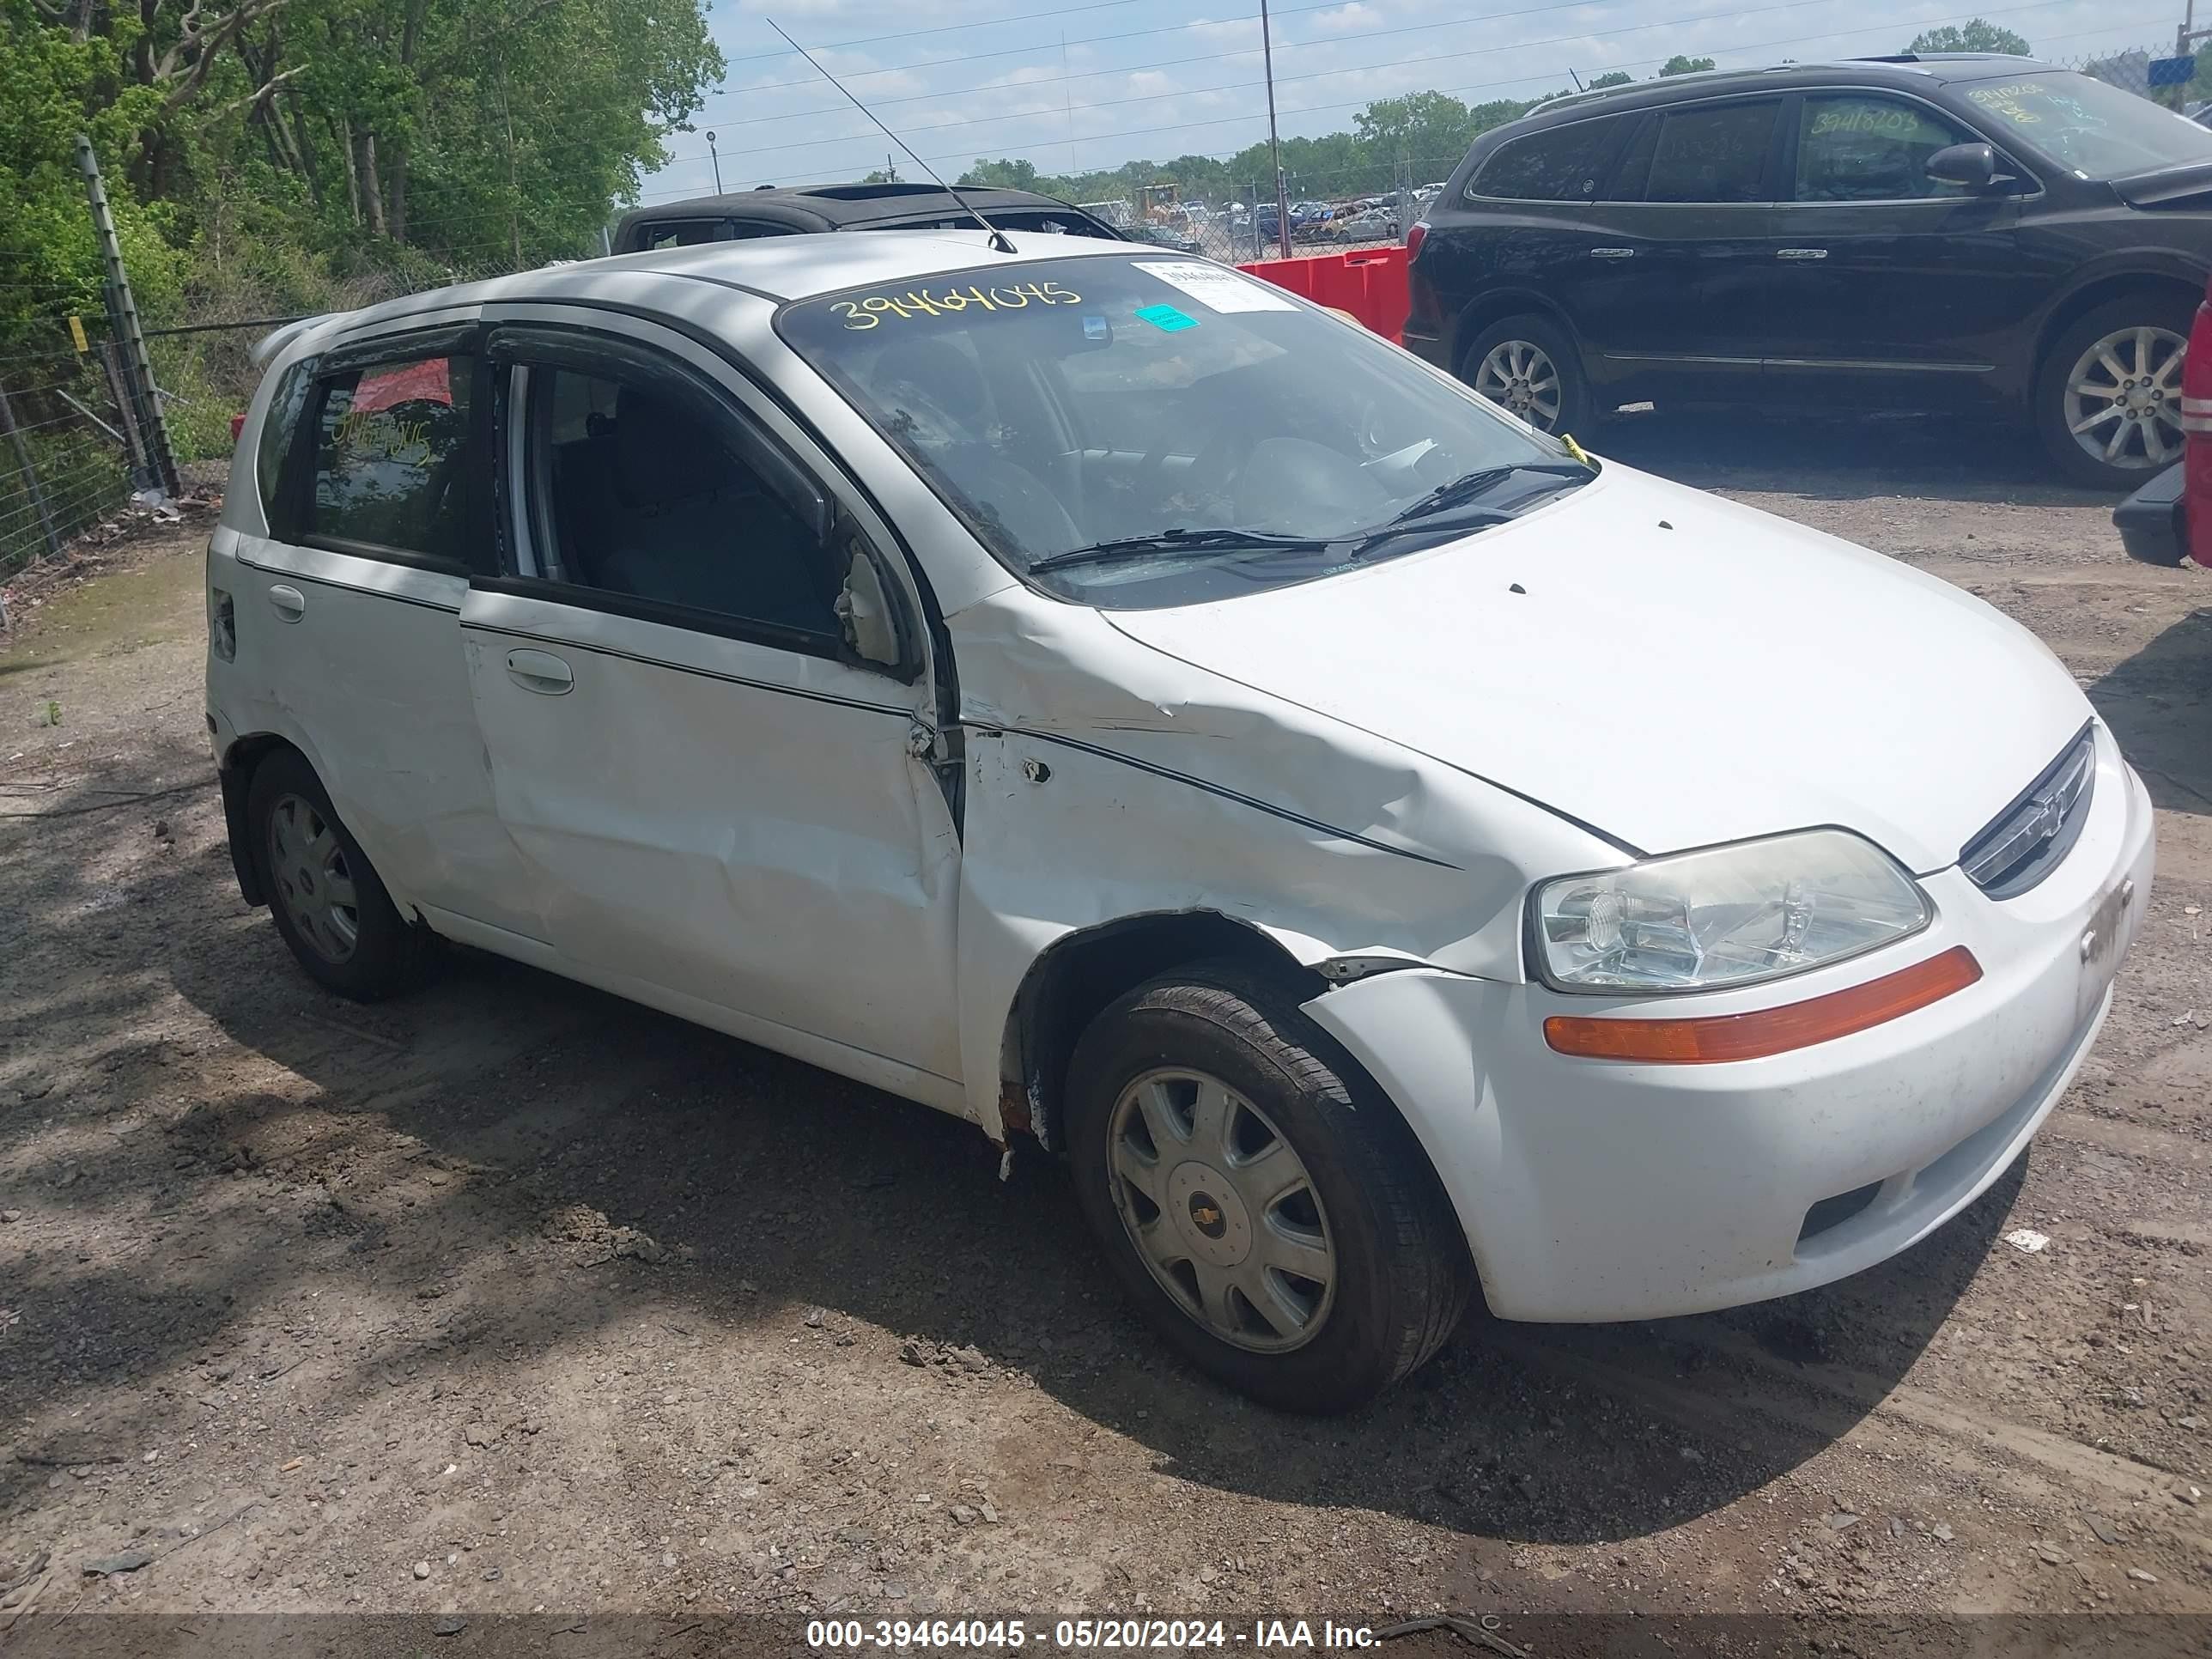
(1076, 86)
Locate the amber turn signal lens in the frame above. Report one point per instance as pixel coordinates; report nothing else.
(1766, 1031)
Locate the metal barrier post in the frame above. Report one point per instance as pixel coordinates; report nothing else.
(151, 454)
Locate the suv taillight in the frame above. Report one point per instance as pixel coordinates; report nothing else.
(2197, 425)
(1414, 237)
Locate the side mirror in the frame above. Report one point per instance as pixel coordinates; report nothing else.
(1971, 167)
(867, 613)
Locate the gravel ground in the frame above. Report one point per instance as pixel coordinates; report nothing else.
(511, 1297)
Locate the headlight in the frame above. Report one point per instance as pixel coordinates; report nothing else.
(1727, 915)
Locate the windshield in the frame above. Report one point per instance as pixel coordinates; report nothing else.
(1066, 409)
(2095, 129)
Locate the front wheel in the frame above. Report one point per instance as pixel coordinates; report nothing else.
(2108, 396)
(1529, 365)
(1270, 1215)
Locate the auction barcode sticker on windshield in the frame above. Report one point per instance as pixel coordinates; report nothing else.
(1217, 287)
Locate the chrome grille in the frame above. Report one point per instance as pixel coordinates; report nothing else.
(2025, 841)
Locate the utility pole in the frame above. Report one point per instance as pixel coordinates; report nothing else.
(1274, 144)
(717, 155)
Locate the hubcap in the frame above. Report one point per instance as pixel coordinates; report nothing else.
(1518, 374)
(2123, 398)
(313, 883)
(1221, 1210)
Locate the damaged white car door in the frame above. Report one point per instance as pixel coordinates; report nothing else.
(730, 803)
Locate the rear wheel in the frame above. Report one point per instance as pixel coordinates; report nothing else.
(1272, 1216)
(1529, 365)
(2108, 396)
(325, 896)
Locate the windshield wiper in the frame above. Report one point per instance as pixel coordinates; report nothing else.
(1470, 486)
(1178, 541)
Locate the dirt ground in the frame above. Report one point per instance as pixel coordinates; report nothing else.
(513, 1297)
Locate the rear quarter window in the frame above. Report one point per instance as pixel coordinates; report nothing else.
(278, 427)
(1561, 164)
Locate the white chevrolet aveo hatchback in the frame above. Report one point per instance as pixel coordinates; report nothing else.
(1096, 695)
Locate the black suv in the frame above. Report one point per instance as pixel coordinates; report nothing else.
(1971, 234)
(767, 212)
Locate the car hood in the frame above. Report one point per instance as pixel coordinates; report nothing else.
(1668, 668)
(2186, 186)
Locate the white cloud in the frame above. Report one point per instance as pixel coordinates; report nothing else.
(1351, 19)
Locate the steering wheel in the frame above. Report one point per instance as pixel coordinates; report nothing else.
(1214, 468)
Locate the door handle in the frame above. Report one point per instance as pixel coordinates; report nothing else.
(1801, 253)
(540, 672)
(289, 603)
(1613, 253)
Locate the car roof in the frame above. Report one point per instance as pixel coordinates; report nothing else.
(777, 267)
(841, 205)
(1902, 71)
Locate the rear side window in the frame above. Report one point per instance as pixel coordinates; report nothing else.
(693, 233)
(1560, 164)
(277, 428)
(394, 466)
(682, 233)
(1713, 153)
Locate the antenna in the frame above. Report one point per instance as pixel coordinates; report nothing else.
(998, 238)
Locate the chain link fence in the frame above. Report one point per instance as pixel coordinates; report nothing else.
(66, 423)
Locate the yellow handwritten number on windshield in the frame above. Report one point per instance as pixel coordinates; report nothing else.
(920, 302)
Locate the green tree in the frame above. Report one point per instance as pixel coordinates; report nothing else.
(1617, 78)
(1977, 35)
(1678, 64)
(1001, 175)
(474, 129)
(1420, 126)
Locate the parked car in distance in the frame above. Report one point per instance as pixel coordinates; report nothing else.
(1096, 694)
(745, 216)
(1970, 236)
(1161, 236)
(1372, 225)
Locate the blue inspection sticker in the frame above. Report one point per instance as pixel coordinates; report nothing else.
(1165, 318)
(1094, 328)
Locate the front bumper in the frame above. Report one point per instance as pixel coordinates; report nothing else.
(1597, 1190)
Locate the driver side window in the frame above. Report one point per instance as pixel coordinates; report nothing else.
(394, 467)
(1856, 149)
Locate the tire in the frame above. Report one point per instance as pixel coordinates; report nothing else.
(302, 849)
(1512, 338)
(2148, 446)
(1217, 1043)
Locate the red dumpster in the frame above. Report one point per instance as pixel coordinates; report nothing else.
(1369, 283)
